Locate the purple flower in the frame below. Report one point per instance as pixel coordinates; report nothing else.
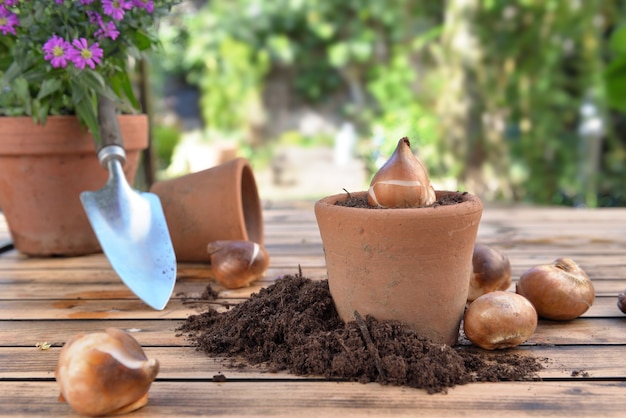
(107, 29)
(8, 21)
(116, 8)
(145, 4)
(57, 51)
(8, 3)
(94, 17)
(83, 54)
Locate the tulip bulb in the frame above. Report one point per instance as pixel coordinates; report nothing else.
(402, 182)
(104, 373)
(236, 264)
(499, 320)
(559, 291)
(491, 271)
(621, 302)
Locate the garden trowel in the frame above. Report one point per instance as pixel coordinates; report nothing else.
(129, 224)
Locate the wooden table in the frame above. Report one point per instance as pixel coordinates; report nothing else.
(48, 300)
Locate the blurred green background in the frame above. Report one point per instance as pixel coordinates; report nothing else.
(514, 100)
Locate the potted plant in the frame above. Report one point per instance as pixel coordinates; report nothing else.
(401, 250)
(56, 58)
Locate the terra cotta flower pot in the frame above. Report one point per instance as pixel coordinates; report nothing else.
(411, 265)
(43, 170)
(219, 203)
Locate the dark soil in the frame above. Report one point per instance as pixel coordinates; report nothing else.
(293, 325)
(361, 201)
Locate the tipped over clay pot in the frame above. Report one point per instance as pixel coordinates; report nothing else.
(411, 264)
(220, 203)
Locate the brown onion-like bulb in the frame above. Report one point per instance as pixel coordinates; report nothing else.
(499, 320)
(621, 302)
(559, 291)
(402, 182)
(104, 373)
(236, 264)
(491, 271)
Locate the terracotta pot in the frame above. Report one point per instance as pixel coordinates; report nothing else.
(43, 170)
(410, 265)
(219, 203)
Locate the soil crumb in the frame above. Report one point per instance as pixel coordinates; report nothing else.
(361, 201)
(293, 325)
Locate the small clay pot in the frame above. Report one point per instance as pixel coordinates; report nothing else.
(220, 203)
(411, 265)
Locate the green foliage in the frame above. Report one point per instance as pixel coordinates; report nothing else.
(506, 106)
(615, 73)
(231, 45)
(537, 63)
(543, 87)
(34, 85)
(165, 138)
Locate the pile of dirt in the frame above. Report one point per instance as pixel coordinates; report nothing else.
(293, 325)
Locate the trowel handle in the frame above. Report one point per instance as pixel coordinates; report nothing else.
(112, 145)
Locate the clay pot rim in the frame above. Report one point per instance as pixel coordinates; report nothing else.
(22, 136)
(471, 203)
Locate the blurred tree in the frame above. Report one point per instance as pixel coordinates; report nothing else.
(493, 93)
(518, 75)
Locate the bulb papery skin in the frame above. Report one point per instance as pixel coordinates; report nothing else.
(236, 264)
(402, 182)
(499, 319)
(104, 373)
(559, 291)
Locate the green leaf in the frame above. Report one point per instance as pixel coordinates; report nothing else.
(616, 94)
(122, 85)
(48, 87)
(617, 43)
(11, 74)
(78, 94)
(20, 88)
(88, 114)
(141, 40)
(615, 83)
(91, 80)
(43, 112)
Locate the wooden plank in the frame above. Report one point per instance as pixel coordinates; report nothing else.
(315, 399)
(597, 266)
(80, 276)
(60, 308)
(94, 309)
(568, 363)
(12, 262)
(160, 332)
(77, 286)
(27, 333)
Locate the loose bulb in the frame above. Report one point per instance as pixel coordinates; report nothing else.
(402, 182)
(559, 291)
(621, 302)
(104, 373)
(499, 320)
(236, 264)
(491, 271)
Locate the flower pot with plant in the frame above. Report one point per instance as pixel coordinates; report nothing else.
(56, 58)
(401, 250)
